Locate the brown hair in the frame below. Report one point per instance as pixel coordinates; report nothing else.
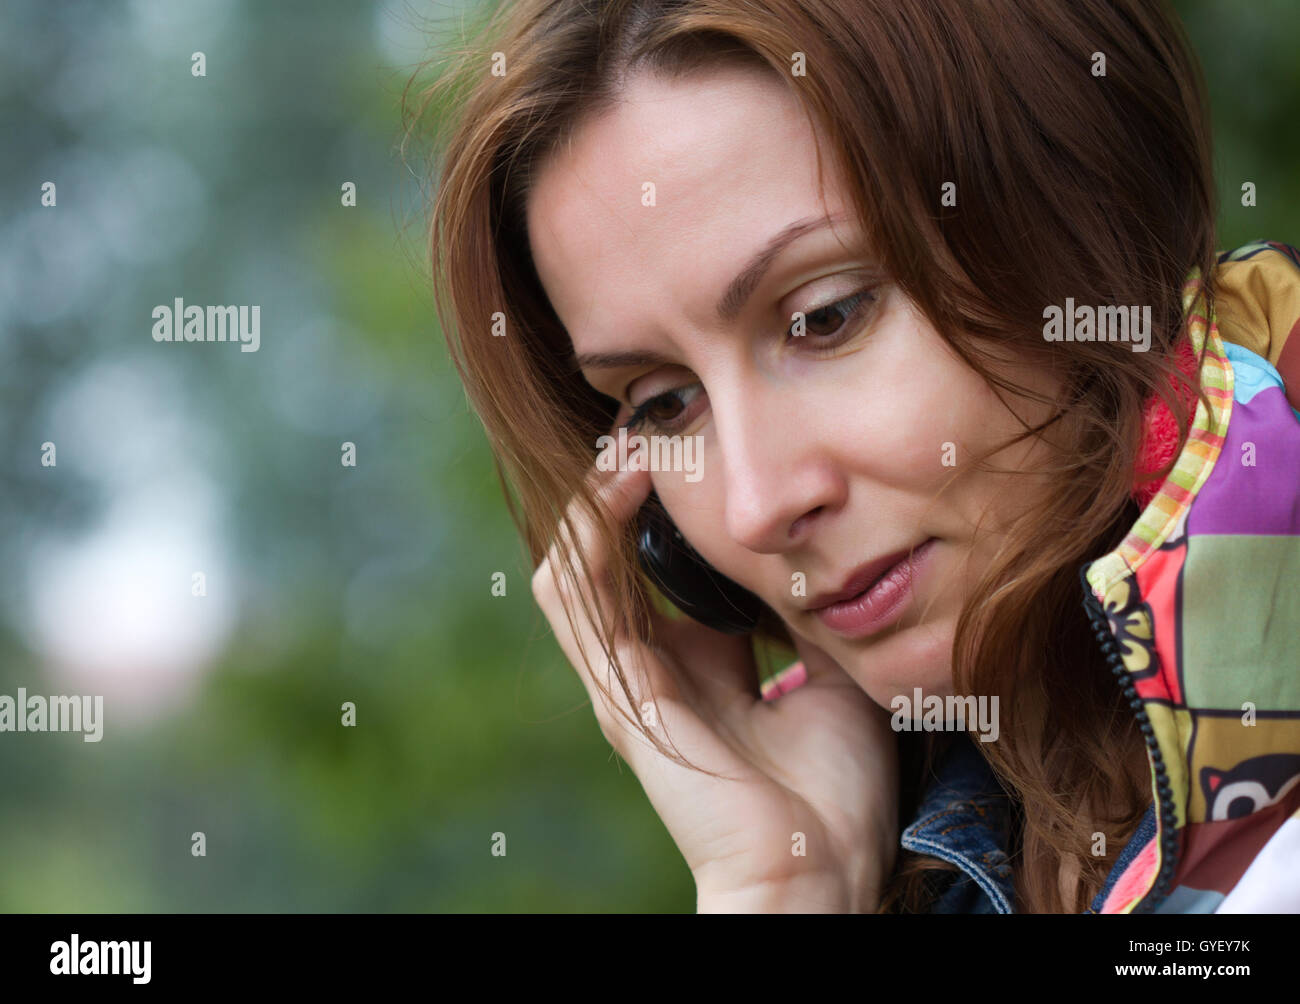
(1070, 183)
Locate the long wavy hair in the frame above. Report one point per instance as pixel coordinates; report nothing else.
(1071, 182)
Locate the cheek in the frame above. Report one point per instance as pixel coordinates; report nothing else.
(908, 412)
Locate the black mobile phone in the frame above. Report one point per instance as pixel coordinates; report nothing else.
(694, 586)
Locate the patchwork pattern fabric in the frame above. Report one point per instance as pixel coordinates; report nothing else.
(1202, 601)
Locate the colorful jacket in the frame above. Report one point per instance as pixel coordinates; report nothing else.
(1198, 614)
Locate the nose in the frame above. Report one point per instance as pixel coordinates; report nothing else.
(780, 480)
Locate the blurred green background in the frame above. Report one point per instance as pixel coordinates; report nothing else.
(324, 583)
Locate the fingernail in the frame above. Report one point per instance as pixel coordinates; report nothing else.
(793, 676)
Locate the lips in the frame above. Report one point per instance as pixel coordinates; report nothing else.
(860, 579)
(884, 588)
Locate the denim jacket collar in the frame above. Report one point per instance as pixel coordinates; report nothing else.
(964, 817)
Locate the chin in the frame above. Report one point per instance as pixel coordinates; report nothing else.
(917, 656)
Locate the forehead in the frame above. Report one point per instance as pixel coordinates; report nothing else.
(656, 199)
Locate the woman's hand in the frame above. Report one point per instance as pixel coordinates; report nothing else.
(804, 819)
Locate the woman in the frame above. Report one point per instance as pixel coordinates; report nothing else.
(870, 257)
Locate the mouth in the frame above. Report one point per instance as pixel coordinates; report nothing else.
(874, 595)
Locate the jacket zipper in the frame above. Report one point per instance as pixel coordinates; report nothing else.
(1168, 834)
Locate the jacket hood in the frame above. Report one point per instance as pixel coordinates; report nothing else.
(1198, 612)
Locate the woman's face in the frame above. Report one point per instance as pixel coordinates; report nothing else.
(827, 455)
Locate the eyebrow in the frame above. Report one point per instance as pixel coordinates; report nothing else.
(739, 290)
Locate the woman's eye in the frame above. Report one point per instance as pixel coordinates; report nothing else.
(664, 411)
(667, 413)
(825, 323)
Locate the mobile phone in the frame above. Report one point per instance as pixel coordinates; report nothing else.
(694, 586)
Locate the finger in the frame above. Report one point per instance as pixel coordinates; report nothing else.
(617, 497)
(574, 609)
(723, 673)
(617, 705)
